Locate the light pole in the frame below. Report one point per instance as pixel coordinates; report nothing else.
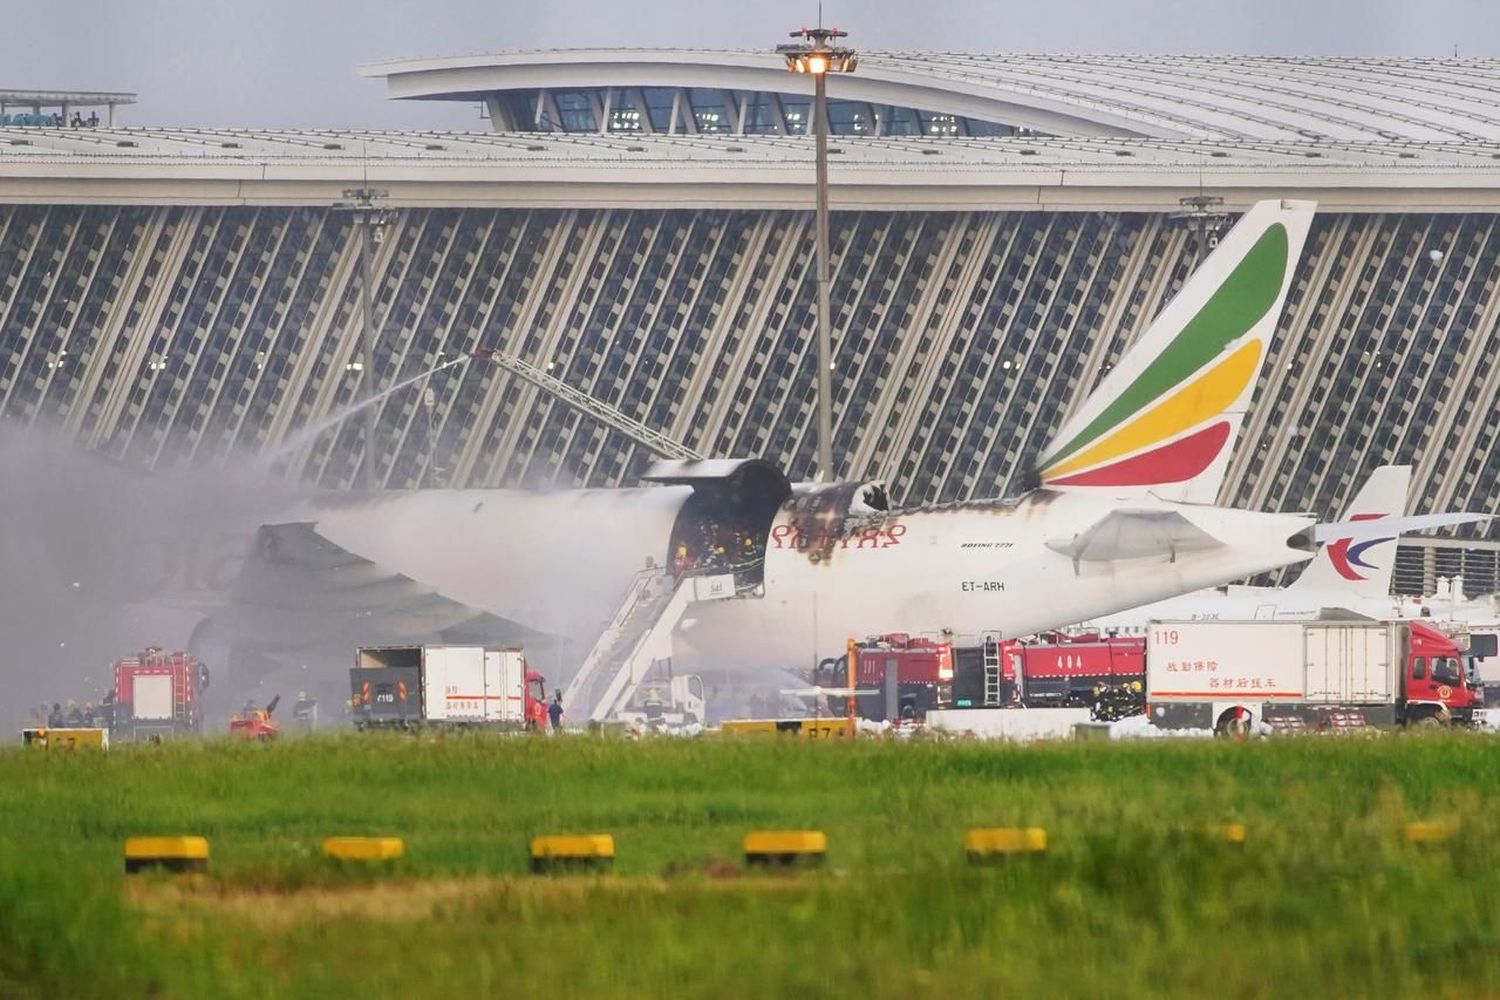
(367, 217)
(816, 52)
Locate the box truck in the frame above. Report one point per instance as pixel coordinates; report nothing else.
(407, 686)
(1228, 675)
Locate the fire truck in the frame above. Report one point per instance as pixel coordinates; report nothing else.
(1053, 670)
(1063, 671)
(896, 676)
(157, 695)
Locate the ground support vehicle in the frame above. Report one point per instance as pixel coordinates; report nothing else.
(1317, 675)
(897, 677)
(1104, 674)
(1060, 671)
(669, 703)
(408, 686)
(157, 695)
(256, 723)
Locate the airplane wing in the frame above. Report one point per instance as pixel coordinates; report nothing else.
(1132, 534)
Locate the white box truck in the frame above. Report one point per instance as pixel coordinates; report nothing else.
(1228, 675)
(446, 685)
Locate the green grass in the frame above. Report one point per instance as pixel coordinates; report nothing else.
(1133, 898)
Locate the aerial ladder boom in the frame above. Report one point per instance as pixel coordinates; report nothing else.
(657, 442)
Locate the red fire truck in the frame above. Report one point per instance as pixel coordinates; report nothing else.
(1062, 671)
(921, 669)
(1053, 670)
(157, 694)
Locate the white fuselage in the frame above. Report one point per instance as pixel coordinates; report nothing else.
(967, 570)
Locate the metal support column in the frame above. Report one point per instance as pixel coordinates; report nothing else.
(826, 472)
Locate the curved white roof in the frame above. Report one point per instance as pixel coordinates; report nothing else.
(1197, 96)
(313, 167)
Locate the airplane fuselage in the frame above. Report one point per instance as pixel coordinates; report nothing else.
(966, 570)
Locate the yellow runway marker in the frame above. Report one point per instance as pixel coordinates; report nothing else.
(592, 850)
(1234, 833)
(994, 843)
(177, 854)
(786, 847)
(1429, 831)
(364, 848)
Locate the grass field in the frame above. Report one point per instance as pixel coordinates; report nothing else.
(1135, 896)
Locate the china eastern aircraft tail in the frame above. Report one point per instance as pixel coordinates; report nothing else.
(1361, 568)
(1164, 421)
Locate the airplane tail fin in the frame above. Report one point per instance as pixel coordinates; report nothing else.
(1165, 419)
(1361, 567)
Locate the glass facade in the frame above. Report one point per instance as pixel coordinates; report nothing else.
(711, 110)
(159, 334)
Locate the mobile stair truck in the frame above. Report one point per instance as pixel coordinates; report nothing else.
(445, 686)
(1230, 676)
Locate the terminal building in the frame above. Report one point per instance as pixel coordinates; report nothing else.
(639, 225)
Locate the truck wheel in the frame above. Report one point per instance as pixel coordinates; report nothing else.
(1426, 723)
(1234, 724)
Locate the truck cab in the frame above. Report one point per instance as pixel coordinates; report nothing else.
(1442, 678)
(536, 700)
(899, 677)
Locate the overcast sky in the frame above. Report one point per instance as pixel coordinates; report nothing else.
(291, 63)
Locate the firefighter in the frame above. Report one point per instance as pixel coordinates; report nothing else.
(654, 707)
(683, 560)
(75, 715)
(305, 711)
(555, 712)
(55, 717)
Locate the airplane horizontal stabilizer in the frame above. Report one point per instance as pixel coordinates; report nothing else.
(1135, 534)
(1386, 526)
(1360, 569)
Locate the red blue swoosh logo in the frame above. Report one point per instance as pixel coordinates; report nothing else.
(1345, 554)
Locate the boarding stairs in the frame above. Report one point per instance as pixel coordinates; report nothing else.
(638, 637)
(648, 594)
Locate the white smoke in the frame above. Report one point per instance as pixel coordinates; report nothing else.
(97, 561)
